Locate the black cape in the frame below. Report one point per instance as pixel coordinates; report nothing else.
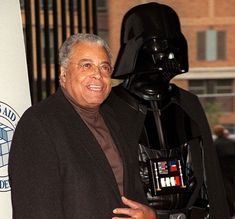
(209, 170)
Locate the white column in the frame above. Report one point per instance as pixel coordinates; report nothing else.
(14, 90)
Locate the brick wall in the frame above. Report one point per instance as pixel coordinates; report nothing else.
(194, 16)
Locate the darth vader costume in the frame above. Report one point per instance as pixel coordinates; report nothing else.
(178, 164)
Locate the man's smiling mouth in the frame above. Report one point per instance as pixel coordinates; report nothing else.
(93, 87)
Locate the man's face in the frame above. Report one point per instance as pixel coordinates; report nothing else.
(88, 84)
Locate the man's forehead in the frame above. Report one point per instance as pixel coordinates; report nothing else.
(89, 51)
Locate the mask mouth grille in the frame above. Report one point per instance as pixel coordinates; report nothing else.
(167, 58)
(166, 68)
(169, 68)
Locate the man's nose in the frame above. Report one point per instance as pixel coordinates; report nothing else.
(96, 72)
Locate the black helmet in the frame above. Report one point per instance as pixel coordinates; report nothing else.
(151, 41)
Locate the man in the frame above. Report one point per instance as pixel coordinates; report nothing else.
(70, 156)
(225, 148)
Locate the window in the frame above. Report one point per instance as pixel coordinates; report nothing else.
(217, 92)
(231, 129)
(223, 86)
(211, 45)
(198, 86)
(102, 5)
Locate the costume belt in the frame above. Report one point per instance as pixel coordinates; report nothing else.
(192, 213)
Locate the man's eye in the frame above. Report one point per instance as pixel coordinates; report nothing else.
(86, 66)
(105, 68)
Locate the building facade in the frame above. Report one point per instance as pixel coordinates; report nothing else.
(209, 27)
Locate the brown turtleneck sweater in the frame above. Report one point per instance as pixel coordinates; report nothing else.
(97, 126)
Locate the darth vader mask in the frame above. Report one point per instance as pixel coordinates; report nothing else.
(152, 45)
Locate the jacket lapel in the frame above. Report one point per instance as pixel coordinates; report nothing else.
(89, 144)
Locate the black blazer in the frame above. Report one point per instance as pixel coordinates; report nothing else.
(225, 148)
(57, 168)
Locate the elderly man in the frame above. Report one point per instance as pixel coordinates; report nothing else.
(71, 156)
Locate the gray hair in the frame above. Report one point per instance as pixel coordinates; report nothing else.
(65, 50)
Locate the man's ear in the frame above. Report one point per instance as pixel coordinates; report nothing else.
(62, 76)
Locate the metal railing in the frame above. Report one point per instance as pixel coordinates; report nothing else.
(47, 23)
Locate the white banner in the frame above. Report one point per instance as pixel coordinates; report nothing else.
(14, 90)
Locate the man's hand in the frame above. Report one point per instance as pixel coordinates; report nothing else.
(135, 210)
